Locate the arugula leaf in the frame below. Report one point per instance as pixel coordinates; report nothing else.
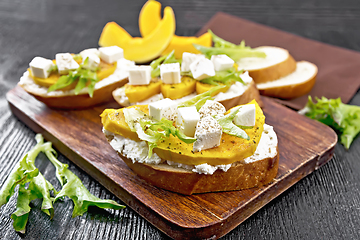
(344, 118)
(226, 122)
(155, 64)
(200, 99)
(150, 130)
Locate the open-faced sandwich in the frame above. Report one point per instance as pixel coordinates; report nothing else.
(77, 80)
(193, 74)
(195, 146)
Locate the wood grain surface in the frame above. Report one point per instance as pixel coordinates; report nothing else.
(304, 146)
(323, 205)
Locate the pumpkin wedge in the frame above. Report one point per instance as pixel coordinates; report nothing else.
(141, 50)
(150, 17)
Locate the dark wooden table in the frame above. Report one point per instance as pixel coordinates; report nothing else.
(323, 205)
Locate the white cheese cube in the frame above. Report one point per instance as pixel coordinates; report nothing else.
(246, 116)
(123, 63)
(165, 108)
(90, 51)
(208, 134)
(187, 118)
(211, 108)
(90, 61)
(139, 75)
(189, 58)
(222, 62)
(202, 68)
(111, 54)
(65, 63)
(170, 73)
(40, 67)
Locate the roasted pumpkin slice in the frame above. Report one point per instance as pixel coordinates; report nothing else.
(105, 70)
(138, 93)
(179, 90)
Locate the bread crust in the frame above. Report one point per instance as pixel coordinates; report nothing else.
(273, 72)
(79, 101)
(240, 176)
(292, 90)
(250, 94)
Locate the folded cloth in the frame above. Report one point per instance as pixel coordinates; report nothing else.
(339, 68)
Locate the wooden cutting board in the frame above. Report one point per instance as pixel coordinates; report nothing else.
(304, 146)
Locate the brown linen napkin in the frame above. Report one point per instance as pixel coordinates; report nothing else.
(339, 68)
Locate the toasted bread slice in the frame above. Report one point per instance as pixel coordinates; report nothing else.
(68, 99)
(293, 85)
(277, 64)
(255, 171)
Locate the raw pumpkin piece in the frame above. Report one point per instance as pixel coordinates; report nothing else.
(138, 49)
(179, 90)
(183, 44)
(114, 35)
(150, 17)
(204, 87)
(138, 93)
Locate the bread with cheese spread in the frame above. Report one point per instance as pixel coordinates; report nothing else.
(235, 164)
(114, 76)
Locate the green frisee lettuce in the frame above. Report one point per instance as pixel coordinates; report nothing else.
(25, 171)
(344, 118)
(235, 52)
(150, 130)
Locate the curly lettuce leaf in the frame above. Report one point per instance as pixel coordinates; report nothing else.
(155, 64)
(73, 188)
(235, 52)
(39, 188)
(226, 77)
(85, 77)
(150, 130)
(226, 122)
(344, 118)
(199, 100)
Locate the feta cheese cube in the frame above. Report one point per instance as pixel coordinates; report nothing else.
(139, 75)
(246, 116)
(211, 108)
(123, 63)
(165, 108)
(202, 68)
(187, 118)
(222, 62)
(90, 61)
(208, 134)
(40, 67)
(65, 63)
(111, 54)
(170, 73)
(189, 58)
(90, 51)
